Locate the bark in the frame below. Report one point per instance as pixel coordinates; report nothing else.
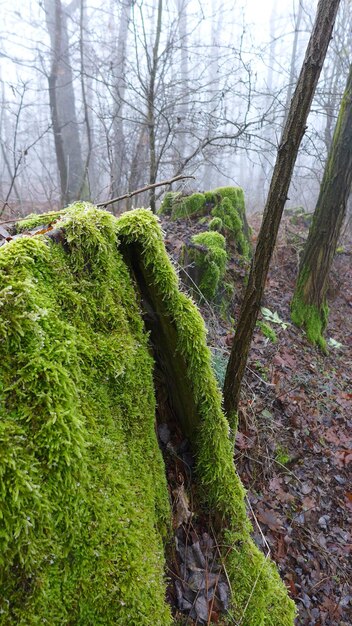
(293, 63)
(287, 153)
(309, 303)
(62, 104)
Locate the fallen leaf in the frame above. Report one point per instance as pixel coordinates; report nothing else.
(183, 512)
(270, 519)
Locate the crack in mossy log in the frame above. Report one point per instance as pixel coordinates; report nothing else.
(84, 499)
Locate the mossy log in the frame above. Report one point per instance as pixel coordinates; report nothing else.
(84, 500)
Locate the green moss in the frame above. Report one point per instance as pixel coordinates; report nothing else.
(169, 200)
(234, 194)
(84, 498)
(215, 224)
(308, 316)
(233, 224)
(188, 206)
(259, 596)
(211, 263)
(34, 219)
(267, 331)
(282, 456)
(84, 503)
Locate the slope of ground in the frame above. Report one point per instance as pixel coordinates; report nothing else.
(294, 447)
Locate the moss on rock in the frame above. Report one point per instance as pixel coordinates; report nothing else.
(84, 498)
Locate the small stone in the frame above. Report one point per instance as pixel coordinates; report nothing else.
(164, 433)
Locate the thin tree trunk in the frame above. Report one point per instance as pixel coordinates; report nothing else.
(62, 103)
(287, 153)
(309, 308)
(292, 76)
(119, 144)
(153, 168)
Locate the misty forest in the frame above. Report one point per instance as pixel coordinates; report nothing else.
(175, 313)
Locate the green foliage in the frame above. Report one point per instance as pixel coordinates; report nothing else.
(83, 489)
(211, 262)
(216, 224)
(274, 318)
(219, 361)
(267, 331)
(333, 343)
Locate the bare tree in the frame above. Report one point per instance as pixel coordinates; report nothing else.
(62, 102)
(287, 152)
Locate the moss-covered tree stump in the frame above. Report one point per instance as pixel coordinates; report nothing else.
(221, 213)
(83, 496)
(223, 207)
(204, 257)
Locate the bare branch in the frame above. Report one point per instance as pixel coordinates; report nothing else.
(142, 190)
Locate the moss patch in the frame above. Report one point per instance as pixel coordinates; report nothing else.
(308, 316)
(188, 206)
(209, 258)
(267, 331)
(84, 493)
(168, 201)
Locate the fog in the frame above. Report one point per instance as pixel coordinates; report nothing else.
(102, 98)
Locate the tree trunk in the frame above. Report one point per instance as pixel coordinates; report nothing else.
(153, 166)
(62, 104)
(292, 76)
(309, 308)
(287, 153)
(119, 147)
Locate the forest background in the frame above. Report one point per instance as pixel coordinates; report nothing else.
(125, 93)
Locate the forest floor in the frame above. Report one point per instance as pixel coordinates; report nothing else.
(294, 444)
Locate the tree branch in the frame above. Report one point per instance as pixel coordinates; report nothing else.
(146, 188)
(104, 204)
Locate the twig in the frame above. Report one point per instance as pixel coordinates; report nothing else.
(135, 193)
